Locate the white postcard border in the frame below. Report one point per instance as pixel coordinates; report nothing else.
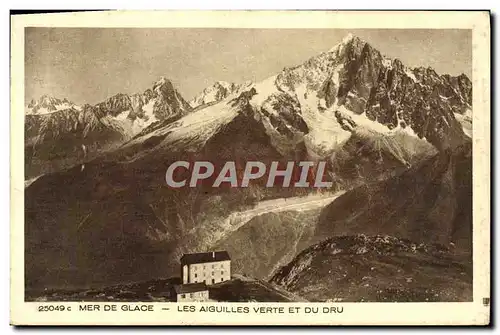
(463, 313)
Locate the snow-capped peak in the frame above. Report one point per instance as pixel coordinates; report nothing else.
(216, 92)
(346, 40)
(224, 84)
(161, 81)
(164, 87)
(47, 104)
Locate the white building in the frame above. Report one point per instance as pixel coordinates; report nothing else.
(191, 292)
(207, 267)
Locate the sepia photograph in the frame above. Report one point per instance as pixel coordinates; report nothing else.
(249, 165)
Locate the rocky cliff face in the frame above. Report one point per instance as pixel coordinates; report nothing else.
(423, 100)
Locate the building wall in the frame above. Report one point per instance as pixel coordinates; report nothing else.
(210, 273)
(194, 296)
(185, 279)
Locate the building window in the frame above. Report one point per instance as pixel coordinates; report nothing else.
(212, 266)
(212, 273)
(222, 266)
(213, 281)
(222, 272)
(204, 267)
(190, 295)
(183, 295)
(196, 275)
(222, 279)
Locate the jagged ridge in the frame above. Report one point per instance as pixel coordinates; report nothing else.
(57, 130)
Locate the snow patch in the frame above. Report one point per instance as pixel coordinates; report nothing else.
(408, 130)
(197, 127)
(122, 116)
(63, 106)
(466, 121)
(411, 75)
(213, 93)
(387, 62)
(347, 38)
(336, 74)
(340, 46)
(445, 121)
(30, 181)
(45, 111)
(264, 89)
(147, 119)
(133, 127)
(468, 113)
(204, 123)
(362, 120)
(325, 134)
(365, 123)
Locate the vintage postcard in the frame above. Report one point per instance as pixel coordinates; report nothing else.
(250, 168)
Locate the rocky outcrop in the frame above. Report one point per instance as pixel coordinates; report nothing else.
(377, 268)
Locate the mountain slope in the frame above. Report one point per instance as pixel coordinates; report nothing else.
(270, 240)
(378, 268)
(430, 203)
(407, 238)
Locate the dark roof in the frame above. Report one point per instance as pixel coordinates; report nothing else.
(190, 288)
(205, 257)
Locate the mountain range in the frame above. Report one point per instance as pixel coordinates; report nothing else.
(59, 134)
(98, 211)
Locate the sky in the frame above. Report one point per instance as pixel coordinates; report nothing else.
(87, 65)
